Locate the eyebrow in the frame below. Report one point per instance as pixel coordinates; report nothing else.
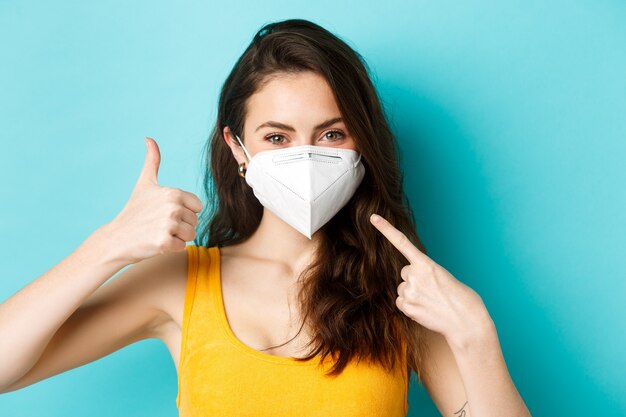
(279, 125)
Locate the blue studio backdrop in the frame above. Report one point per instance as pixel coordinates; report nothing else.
(510, 116)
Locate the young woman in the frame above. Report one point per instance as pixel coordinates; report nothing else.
(295, 297)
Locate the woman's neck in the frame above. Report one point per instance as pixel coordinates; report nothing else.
(277, 241)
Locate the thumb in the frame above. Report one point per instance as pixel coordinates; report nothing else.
(150, 168)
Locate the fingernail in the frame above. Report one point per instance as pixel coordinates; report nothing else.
(375, 218)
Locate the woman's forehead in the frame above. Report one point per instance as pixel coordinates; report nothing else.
(303, 99)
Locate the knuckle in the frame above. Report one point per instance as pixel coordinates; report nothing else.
(411, 293)
(402, 240)
(172, 228)
(168, 226)
(174, 213)
(174, 194)
(179, 196)
(404, 272)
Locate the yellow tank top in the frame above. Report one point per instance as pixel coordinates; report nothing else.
(219, 375)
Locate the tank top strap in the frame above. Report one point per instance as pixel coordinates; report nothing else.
(212, 274)
(202, 272)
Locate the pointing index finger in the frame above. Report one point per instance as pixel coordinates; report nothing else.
(397, 239)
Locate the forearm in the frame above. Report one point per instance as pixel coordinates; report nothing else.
(489, 388)
(30, 317)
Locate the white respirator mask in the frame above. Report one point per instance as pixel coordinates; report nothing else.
(304, 185)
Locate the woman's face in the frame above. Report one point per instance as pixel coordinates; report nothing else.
(291, 110)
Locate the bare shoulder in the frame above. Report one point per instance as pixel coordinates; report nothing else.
(164, 280)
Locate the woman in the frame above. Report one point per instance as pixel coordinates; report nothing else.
(295, 296)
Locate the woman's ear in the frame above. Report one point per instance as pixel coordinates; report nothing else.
(234, 146)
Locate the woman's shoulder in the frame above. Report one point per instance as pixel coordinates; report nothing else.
(174, 275)
(167, 276)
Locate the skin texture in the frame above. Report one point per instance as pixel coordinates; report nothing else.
(81, 320)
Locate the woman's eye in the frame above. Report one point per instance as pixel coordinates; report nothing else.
(335, 132)
(272, 136)
(277, 139)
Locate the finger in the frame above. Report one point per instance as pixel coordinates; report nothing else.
(410, 310)
(192, 202)
(401, 288)
(185, 232)
(189, 217)
(174, 244)
(404, 272)
(398, 239)
(150, 170)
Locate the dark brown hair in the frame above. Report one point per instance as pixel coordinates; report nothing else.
(349, 302)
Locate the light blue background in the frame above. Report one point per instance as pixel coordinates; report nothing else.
(511, 117)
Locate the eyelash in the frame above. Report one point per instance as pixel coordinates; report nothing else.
(271, 135)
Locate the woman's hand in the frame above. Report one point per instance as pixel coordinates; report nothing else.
(431, 296)
(156, 219)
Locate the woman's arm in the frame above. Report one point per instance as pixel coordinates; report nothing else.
(30, 318)
(488, 385)
(38, 339)
(469, 378)
(441, 377)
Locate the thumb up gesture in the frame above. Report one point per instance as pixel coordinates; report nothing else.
(156, 219)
